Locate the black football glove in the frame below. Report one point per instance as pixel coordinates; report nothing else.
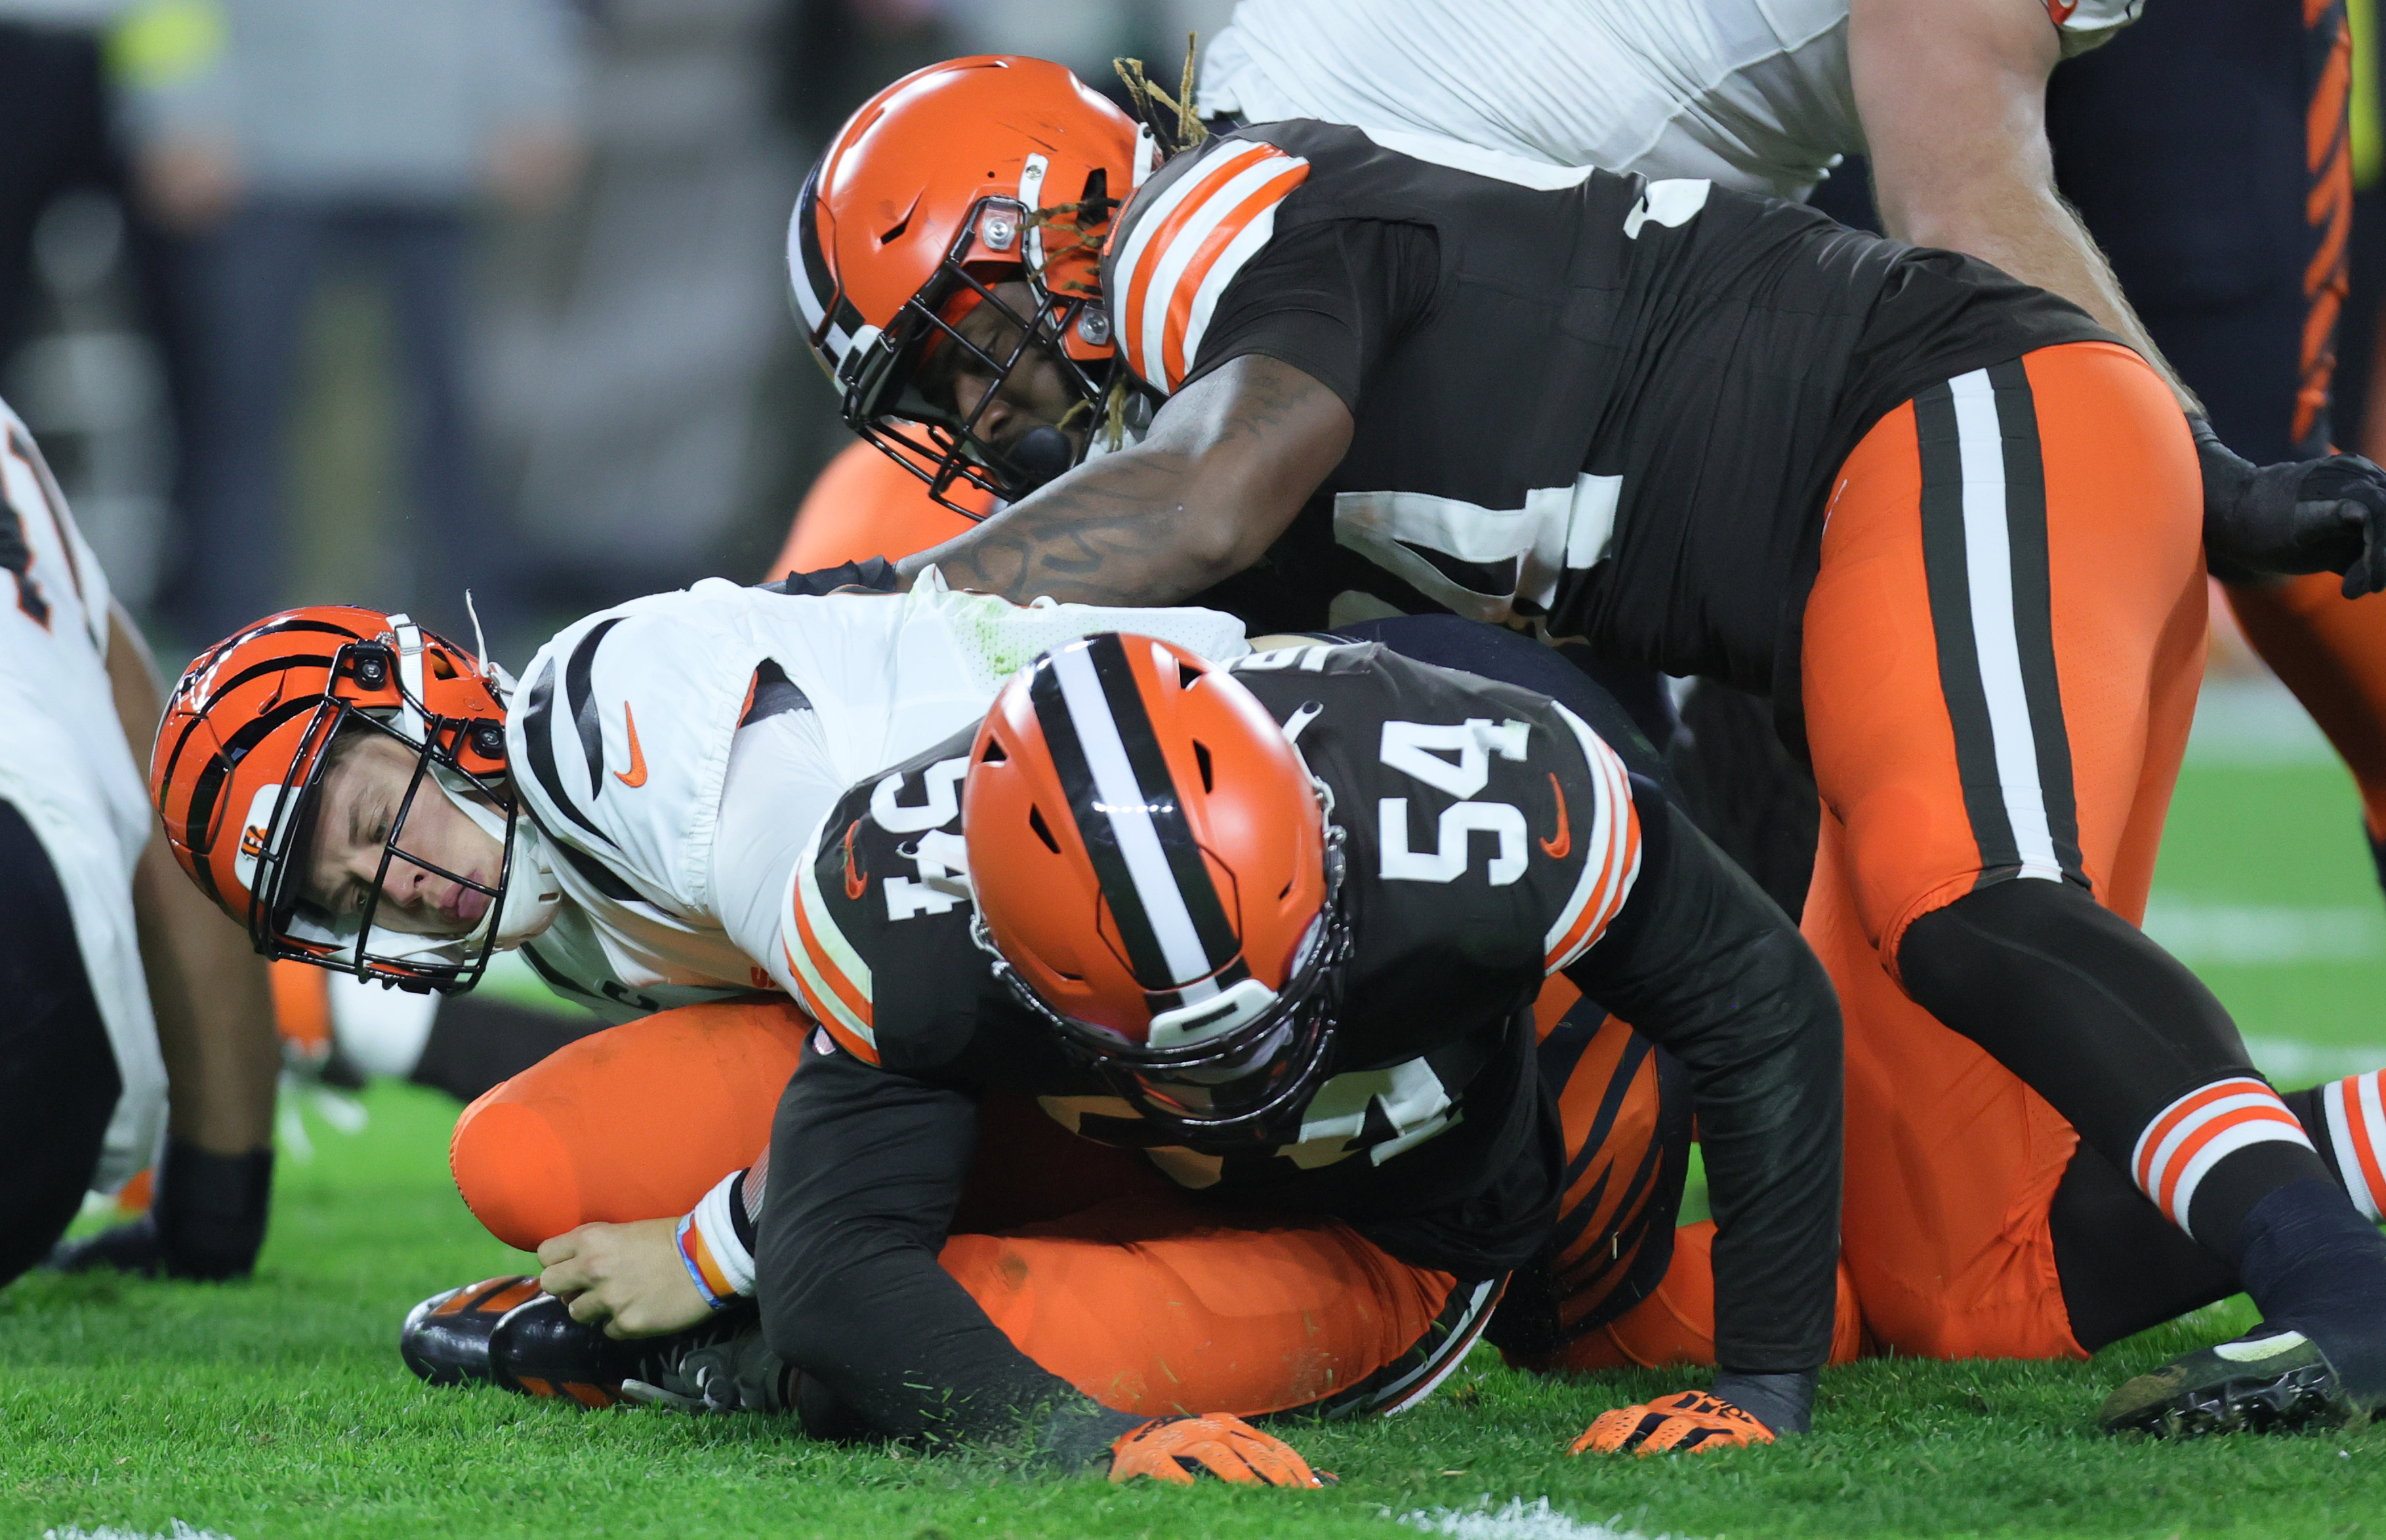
(2301, 516)
(207, 1222)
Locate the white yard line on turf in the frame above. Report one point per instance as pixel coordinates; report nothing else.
(2199, 931)
(2254, 721)
(109, 1532)
(1516, 1521)
(2293, 1064)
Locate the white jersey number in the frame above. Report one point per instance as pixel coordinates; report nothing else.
(1418, 750)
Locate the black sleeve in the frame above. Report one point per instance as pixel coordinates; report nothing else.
(865, 1168)
(1327, 298)
(1701, 963)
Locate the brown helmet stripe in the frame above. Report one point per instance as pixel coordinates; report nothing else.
(1130, 815)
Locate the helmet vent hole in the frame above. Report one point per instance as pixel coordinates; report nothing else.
(1035, 822)
(993, 755)
(894, 233)
(1201, 758)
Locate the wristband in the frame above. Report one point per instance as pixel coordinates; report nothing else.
(210, 1209)
(711, 1247)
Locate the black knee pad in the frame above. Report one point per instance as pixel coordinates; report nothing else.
(2075, 1000)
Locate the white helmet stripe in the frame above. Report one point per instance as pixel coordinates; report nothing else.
(1130, 819)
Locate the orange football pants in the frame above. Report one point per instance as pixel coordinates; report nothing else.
(2002, 649)
(1090, 1261)
(1094, 1266)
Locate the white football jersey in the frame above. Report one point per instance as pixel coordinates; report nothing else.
(1748, 93)
(675, 861)
(65, 765)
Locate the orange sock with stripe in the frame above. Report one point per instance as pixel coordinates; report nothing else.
(2212, 1154)
(2231, 1163)
(2347, 1119)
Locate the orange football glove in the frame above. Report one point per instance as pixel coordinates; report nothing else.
(1692, 1421)
(1176, 1448)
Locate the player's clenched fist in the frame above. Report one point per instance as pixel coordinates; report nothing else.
(1176, 1448)
(1692, 1421)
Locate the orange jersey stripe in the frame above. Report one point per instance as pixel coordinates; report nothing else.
(1180, 303)
(822, 1012)
(1155, 250)
(853, 998)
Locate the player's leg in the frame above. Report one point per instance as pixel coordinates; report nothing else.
(2000, 597)
(1095, 1265)
(2122, 1264)
(2331, 653)
(1154, 1303)
(251, 277)
(1617, 1289)
(640, 1120)
(2347, 1121)
(1951, 1162)
(2246, 312)
(58, 1083)
(1625, 1111)
(426, 254)
(635, 1122)
(1675, 1326)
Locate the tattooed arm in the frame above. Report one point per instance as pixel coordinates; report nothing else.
(1230, 459)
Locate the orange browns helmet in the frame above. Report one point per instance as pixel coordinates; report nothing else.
(239, 762)
(1156, 874)
(956, 178)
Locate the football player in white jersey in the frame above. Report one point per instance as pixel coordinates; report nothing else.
(122, 984)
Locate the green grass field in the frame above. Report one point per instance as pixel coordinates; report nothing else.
(278, 1408)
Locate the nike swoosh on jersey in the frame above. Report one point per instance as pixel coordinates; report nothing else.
(1187, 246)
(636, 776)
(1559, 845)
(1611, 855)
(856, 882)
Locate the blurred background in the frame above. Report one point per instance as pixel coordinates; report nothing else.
(378, 300)
(374, 300)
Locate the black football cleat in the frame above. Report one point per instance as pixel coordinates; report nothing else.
(2269, 1379)
(445, 1338)
(540, 1350)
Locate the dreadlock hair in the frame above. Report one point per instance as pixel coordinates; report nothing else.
(1172, 124)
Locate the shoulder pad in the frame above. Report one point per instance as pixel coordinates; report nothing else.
(885, 877)
(1182, 240)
